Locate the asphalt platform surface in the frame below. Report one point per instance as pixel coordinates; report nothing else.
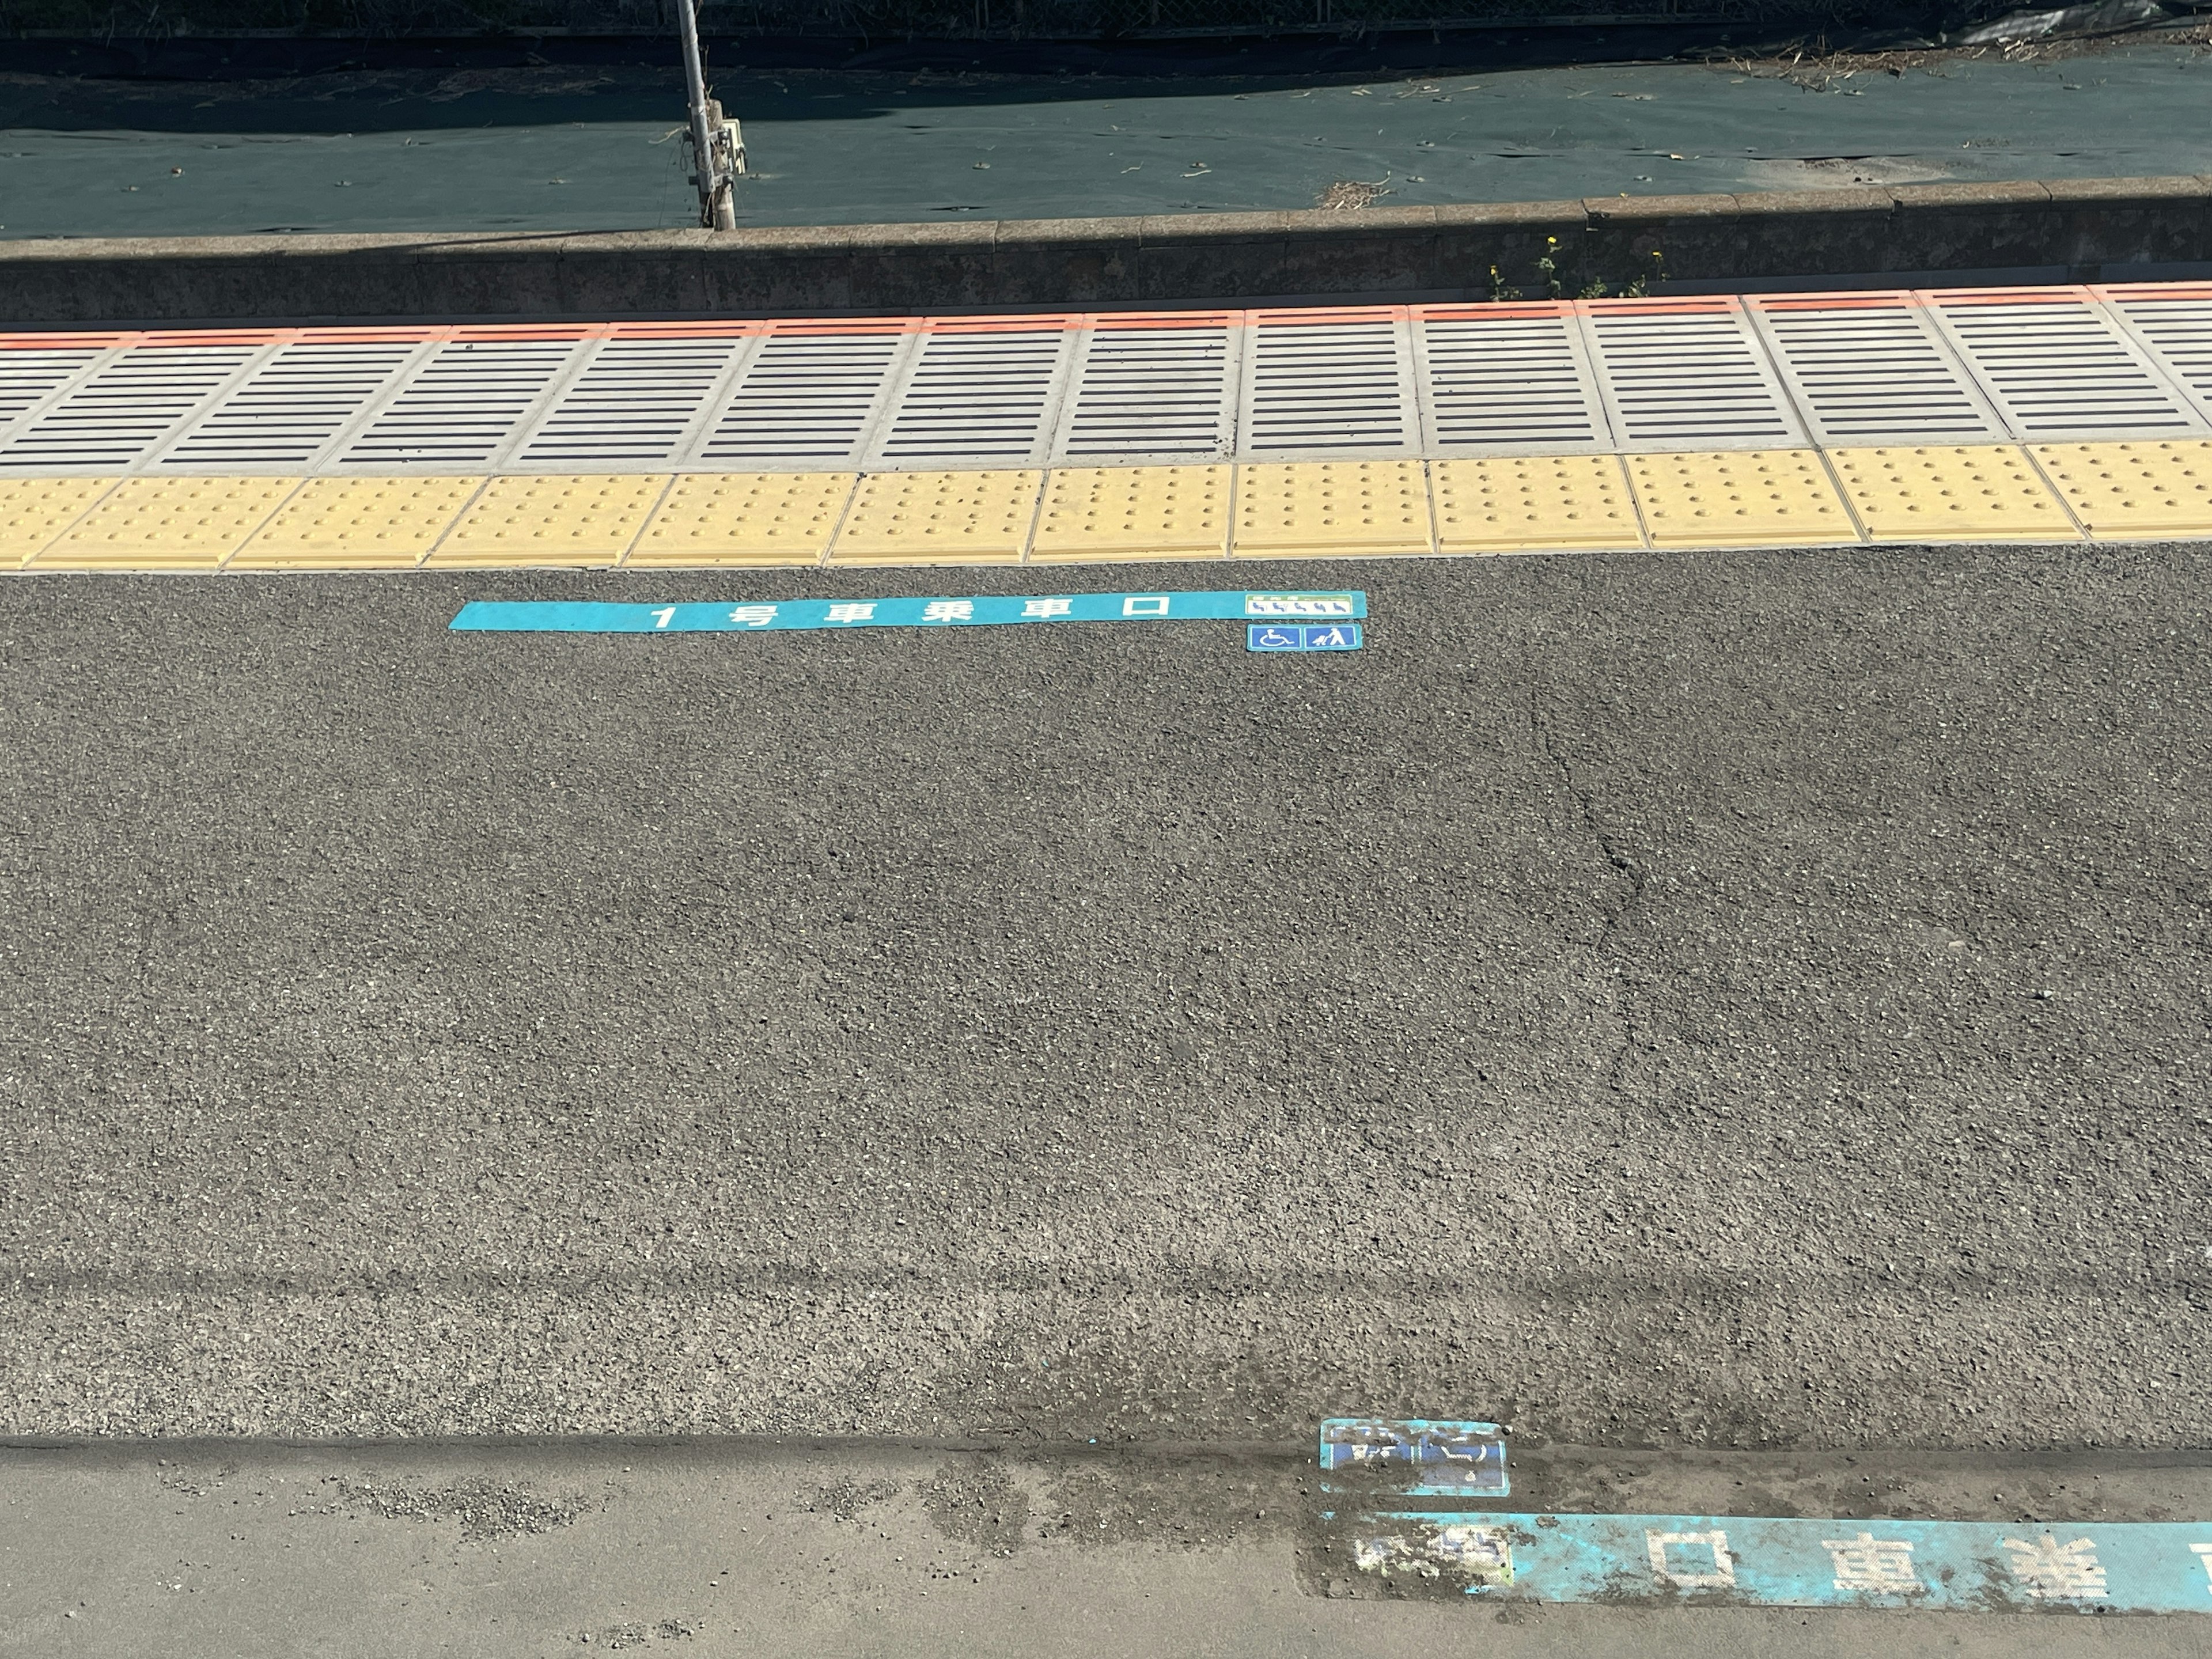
(1749, 999)
(724, 1549)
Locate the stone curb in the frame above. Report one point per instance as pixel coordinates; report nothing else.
(2078, 226)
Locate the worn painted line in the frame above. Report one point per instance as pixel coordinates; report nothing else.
(1969, 1566)
(976, 610)
(1418, 1456)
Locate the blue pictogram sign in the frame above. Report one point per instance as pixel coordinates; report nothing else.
(1289, 636)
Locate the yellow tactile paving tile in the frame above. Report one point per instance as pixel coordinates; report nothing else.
(2153, 487)
(1952, 493)
(33, 511)
(356, 524)
(938, 517)
(1133, 512)
(577, 520)
(1739, 498)
(745, 518)
(1332, 507)
(166, 524)
(1504, 503)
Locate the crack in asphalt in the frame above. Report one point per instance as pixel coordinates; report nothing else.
(1605, 942)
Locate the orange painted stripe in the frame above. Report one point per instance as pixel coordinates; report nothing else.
(2005, 296)
(845, 326)
(1683, 305)
(1114, 322)
(65, 342)
(1311, 316)
(1479, 311)
(1100, 322)
(2134, 293)
(1854, 301)
(735, 329)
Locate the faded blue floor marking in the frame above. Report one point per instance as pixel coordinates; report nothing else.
(1285, 637)
(976, 610)
(1440, 1459)
(1961, 1565)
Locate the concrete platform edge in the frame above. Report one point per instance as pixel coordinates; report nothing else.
(2075, 226)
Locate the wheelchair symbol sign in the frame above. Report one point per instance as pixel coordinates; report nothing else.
(1295, 636)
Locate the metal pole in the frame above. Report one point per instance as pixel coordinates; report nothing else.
(716, 210)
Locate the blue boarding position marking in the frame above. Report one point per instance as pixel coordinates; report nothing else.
(977, 611)
(1284, 636)
(1964, 1565)
(1438, 1459)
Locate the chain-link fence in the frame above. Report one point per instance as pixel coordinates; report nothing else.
(1016, 20)
(1110, 18)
